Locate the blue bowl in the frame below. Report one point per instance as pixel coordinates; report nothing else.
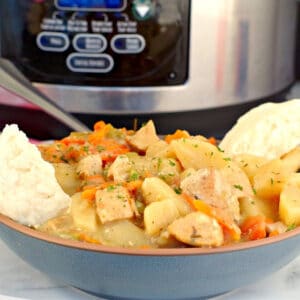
(117, 273)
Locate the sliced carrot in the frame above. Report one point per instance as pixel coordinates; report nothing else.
(89, 194)
(212, 140)
(85, 238)
(198, 205)
(273, 233)
(72, 140)
(178, 134)
(254, 227)
(133, 186)
(99, 125)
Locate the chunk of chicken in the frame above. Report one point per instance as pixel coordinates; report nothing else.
(197, 229)
(120, 169)
(114, 203)
(144, 137)
(89, 165)
(210, 186)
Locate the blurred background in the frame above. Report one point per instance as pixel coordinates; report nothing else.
(187, 64)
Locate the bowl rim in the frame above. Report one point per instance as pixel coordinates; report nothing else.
(240, 246)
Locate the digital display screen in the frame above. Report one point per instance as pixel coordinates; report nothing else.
(91, 5)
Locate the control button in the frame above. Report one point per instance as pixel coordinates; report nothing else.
(89, 43)
(128, 43)
(90, 63)
(143, 9)
(53, 41)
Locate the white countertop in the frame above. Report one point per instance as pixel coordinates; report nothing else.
(18, 279)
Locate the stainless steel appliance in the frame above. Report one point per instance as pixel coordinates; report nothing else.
(185, 63)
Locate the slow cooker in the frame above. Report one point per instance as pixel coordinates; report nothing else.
(190, 64)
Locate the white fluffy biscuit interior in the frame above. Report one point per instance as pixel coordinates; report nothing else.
(268, 130)
(29, 191)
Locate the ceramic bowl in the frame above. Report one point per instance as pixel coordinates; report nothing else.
(117, 273)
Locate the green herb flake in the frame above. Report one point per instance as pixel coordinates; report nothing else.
(291, 227)
(159, 162)
(221, 150)
(254, 191)
(111, 188)
(134, 176)
(100, 148)
(227, 158)
(239, 187)
(85, 148)
(172, 163)
(178, 190)
(272, 181)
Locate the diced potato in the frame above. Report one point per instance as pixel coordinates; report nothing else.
(90, 165)
(289, 205)
(83, 213)
(67, 177)
(197, 229)
(144, 137)
(155, 189)
(250, 163)
(292, 160)
(270, 178)
(124, 233)
(158, 215)
(196, 153)
(160, 149)
(254, 206)
(113, 203)
(166, 168)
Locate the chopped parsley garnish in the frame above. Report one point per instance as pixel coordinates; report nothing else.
(254, 191)
(134, 176)
(239, 187)
(100, 148)
(85, 148)
(110, 188)
(291, 227)
(172, 163)
(221, 150)
(159, 162)
(178, 190)
(227, 158)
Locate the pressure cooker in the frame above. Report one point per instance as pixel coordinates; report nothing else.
(189, 64)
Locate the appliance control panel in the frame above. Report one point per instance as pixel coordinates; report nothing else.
(99, 42)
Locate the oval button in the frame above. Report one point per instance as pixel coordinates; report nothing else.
(53, 41)
(128, 43)
(89, 43)
(90, 63)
